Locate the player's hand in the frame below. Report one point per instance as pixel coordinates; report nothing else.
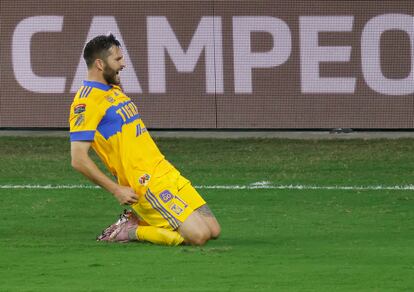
(125, 195)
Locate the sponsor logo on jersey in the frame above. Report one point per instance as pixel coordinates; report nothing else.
(177, 209)
(80, 108)
(144, 179)
(110, 99)
(140, 130)
(166, 196)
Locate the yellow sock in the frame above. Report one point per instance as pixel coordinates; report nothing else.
(159, 235)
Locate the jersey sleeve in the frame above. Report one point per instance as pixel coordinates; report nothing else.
(84, 119)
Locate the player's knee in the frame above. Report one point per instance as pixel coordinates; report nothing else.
(198, 238)
(199, 241)
(215, 231)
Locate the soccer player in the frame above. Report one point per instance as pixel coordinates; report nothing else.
(166, 209)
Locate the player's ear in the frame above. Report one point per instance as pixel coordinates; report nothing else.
(99, 63)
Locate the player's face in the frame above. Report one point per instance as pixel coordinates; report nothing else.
(113, 65)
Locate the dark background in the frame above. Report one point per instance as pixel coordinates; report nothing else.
(276, 101)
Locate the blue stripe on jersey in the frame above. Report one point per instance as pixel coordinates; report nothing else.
(86, 93)
(97, 84)
(82, 91)
(82, 136)
(164, 213)
(115, 117)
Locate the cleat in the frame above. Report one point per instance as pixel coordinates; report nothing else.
(106, 233)
(110, 233)
(124, 232)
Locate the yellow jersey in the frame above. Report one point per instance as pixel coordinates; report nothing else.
(108, 118)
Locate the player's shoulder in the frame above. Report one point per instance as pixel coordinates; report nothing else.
(92, 91)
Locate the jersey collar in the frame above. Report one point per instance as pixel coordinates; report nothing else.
(97, 84)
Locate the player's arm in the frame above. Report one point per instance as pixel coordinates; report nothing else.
(82, 162)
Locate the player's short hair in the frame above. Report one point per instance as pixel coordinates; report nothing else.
(98, 48)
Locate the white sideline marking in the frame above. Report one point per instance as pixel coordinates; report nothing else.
(253, 186)
(310, 187)
(48, 187)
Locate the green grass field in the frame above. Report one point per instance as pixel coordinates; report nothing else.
(272, 239)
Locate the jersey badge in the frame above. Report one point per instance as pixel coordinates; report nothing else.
(144, 179)
(177, 209)
(80, 108)
(110, 99)
(166, 196)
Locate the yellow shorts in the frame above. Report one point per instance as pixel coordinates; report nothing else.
(169, 200)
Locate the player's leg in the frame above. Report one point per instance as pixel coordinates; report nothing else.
(210, 220)
(161, 207)
(190, 195)
(166, 210)
(157, 235)
(200, 226)
(127, 233)
(194, 230)
(130, 228)
(170, 203)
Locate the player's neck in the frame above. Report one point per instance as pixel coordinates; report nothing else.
(92, 76)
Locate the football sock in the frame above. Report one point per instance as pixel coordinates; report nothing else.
(158, 235)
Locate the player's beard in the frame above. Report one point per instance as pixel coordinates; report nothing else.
(110, 75)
